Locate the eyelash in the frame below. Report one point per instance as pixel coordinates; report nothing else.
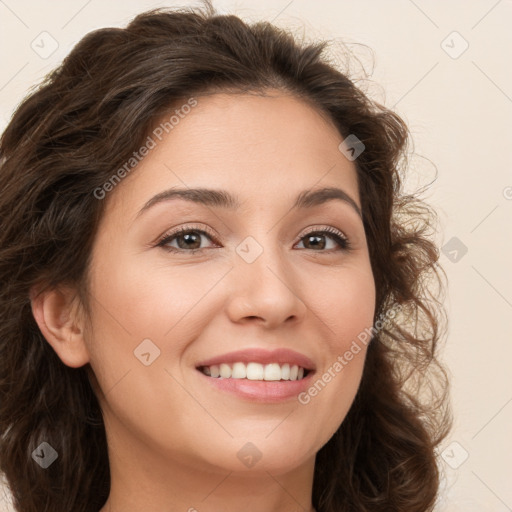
(338, 237)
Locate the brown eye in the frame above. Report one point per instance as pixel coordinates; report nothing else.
(315, 240)
(187, 239)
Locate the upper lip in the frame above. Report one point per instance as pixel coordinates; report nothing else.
(258, 355)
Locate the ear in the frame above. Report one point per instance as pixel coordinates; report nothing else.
(57, 316)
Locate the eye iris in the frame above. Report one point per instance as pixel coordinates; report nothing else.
(189, 237)
(316, 238)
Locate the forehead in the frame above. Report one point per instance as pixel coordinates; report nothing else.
(272, 147)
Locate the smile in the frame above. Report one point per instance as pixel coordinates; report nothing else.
(255, 371)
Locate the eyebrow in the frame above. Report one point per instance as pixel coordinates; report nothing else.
(223, 199)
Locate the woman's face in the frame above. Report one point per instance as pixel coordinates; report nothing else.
(257, 282)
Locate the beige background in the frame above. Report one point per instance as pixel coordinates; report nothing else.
(459, 108)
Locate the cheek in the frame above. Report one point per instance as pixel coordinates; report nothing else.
(150, 300)
(345, 303)
(352, 320)
(133, 302)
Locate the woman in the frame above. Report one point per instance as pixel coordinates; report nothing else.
(212, 294)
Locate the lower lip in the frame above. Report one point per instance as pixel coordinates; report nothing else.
(265, 391)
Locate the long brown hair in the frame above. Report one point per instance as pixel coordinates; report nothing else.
(66, 140)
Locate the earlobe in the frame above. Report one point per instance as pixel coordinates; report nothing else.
(56, 315)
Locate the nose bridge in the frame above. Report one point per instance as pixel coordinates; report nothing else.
(264, 284)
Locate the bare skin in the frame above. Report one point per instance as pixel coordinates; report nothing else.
(175, 439)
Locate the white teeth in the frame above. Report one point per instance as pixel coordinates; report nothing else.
(225, 371)
(285, 372)
(272, 372)
(239, 371)
(255, 371)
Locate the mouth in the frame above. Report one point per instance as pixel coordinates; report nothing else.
(258, 375)
(256, 371)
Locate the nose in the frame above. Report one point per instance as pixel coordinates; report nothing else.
(265, 290)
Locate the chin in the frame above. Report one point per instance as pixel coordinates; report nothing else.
(275, 454)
